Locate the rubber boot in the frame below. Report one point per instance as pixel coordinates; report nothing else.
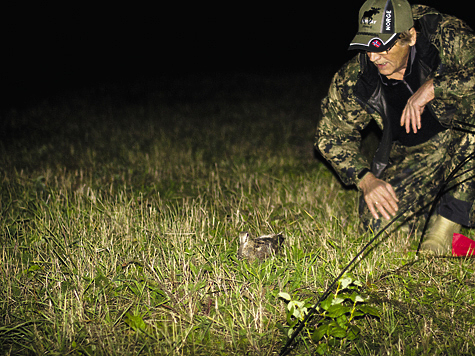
(440, 235)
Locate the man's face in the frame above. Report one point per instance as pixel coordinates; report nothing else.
(393, 63)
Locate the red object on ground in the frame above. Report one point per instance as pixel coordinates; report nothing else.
(462, 246)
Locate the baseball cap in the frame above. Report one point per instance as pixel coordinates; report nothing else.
(380, 23)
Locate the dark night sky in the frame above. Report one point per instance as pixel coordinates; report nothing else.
(52, 50)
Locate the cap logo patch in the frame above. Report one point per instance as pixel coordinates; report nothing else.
(368, 16)
(376, 43)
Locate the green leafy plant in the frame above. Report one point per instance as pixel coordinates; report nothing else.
(336, 316)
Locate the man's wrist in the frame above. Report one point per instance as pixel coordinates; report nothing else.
(361, 176)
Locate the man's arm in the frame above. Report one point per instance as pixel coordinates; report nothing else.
(338, 136)
(456, 82)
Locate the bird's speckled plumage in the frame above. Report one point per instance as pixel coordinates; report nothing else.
(260, 248)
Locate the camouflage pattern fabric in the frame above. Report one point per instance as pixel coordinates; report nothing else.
(415, 172)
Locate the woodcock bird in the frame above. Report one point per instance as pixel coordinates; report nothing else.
(260, 248)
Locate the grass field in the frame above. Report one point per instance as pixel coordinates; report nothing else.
(120, 212)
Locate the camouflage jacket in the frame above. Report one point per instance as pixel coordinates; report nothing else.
(446, 51)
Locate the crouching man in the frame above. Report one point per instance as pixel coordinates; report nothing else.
(414, 74)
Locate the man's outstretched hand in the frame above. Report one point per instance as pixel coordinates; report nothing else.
(379, 196)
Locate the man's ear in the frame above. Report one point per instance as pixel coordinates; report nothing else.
(413, 36)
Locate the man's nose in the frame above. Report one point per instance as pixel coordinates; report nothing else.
(373, 56)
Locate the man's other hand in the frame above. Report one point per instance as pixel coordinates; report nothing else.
(411, 116)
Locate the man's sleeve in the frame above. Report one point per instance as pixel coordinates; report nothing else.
(456, 83)
(338, 137)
